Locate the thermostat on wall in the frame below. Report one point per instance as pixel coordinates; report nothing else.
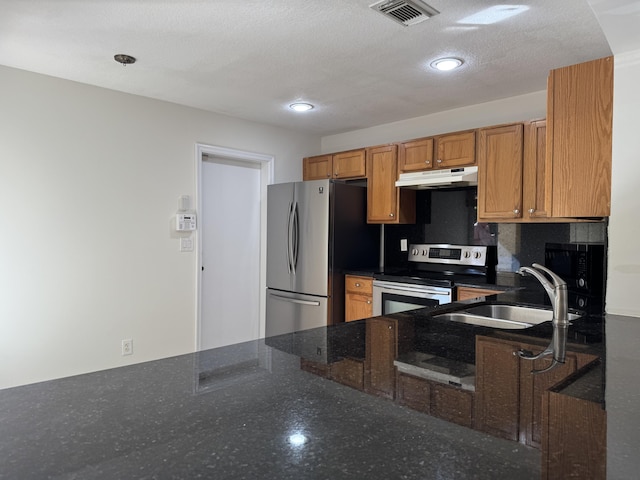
(185, 222)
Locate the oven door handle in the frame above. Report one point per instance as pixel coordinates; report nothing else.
(392, 288)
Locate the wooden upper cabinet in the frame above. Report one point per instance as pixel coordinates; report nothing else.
(537, 172)
(455, 149)
(349, 164)
(416, 155)
(579, 128)
(500, 165)
(342, 165)
(319, 167)
(387, 203)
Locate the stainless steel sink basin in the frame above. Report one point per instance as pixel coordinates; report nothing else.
(502, 316)
(463, 317)
(516, 313)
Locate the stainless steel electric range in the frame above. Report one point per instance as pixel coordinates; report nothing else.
(431, 276)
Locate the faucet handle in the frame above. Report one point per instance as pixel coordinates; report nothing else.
(557, 281)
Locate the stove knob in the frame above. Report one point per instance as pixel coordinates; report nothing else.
(477, 255)
(424, 252)
(415, 251)
(467, 254)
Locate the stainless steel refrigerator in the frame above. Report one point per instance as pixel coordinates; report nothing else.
(315, 231)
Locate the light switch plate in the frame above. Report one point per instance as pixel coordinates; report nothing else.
(403, 245)
(186, 244)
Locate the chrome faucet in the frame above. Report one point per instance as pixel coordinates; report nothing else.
(557, 292)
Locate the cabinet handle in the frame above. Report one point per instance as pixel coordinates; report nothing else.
(390, 327)
(391, 215)
(368, 302)
(516, 211)
(531, 210)
(357, 284)
(439, 160)
(427, 162)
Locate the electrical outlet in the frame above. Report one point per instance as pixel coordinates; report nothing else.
(403, 245)
(127, 347)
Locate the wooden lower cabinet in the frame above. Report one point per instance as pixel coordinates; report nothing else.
(349, 371)
(468, 293)
(383, 338)
(436, 399)
(574, 443)
(508, 396)
(358, 298)
(497, 390)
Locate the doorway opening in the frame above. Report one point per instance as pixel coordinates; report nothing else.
(231, 238)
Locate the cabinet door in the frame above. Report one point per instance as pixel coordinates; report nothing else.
(497, 392)
(456, 149)
(387, 203)
(416, 155)
(349, 371)
(570, 448)
(532, 388)
(579, 128)
(381, 350)
(317, 168)
(500, 160)
(349, 164)
(357, 307)
(537, 172)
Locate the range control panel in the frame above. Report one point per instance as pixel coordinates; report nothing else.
(449, 254)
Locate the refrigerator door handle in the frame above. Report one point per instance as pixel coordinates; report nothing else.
(289, 237)
(296, 238)
(295, 300)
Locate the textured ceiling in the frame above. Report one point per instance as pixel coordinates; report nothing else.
(252, 58)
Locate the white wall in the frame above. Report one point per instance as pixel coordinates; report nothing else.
(624, 226)
(514, 109)
(89, 181)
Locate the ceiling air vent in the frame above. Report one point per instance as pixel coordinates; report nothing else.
(406, 12)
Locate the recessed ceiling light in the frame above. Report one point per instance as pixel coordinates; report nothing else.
(446, 64)
(124, 59)
(300, 106)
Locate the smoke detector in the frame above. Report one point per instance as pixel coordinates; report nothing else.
(405, 12)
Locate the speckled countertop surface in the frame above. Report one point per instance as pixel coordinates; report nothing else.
(234, 413)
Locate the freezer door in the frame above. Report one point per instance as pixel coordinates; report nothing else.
(310, 231)
(279, 241)
(290, 312)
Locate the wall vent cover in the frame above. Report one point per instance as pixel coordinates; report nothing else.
(405, 12)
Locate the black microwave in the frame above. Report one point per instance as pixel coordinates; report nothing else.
(581, 265)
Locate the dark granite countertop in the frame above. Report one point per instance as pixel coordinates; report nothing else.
(242, 412)
(237, 412)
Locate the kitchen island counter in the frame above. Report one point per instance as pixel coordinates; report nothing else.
(240, 412)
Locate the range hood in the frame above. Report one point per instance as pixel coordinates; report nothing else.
(452, 177)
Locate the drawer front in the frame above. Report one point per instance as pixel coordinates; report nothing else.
(452, 404)
(361, 285)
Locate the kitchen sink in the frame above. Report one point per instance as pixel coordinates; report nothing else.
(464, 317)
(502, 316)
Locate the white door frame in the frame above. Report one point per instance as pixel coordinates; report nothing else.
(266, 163)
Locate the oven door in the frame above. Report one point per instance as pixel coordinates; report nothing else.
(391, 297)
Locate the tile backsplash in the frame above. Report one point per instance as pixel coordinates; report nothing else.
(449, 216)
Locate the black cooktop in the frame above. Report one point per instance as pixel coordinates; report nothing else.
(445, 278)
